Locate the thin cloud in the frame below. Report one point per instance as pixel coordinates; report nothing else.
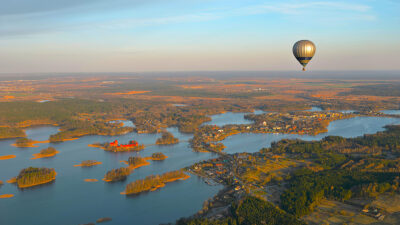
(28, 23)
(299, 8)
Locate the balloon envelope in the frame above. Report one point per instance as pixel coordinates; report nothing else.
(304, 50)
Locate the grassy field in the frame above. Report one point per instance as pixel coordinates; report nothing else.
(338, 213)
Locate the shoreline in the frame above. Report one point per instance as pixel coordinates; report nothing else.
(137, 166)
(159, 186)
(36, 184)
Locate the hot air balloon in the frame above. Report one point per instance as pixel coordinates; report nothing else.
(304, 50)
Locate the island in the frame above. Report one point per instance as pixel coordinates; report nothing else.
(24, 143)
(5, 157)
(158, 156)
(91, 180)
(46, 153)
(88, 163)
(115, 175)
(153, 182)
(34, 176)
(116, 147)
(167, 139)
(7, 196)
(104, 219)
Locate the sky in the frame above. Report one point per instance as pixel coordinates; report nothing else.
(196, 35)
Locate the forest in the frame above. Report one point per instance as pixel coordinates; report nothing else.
(10, 132)
(308, 188)
(249, 211)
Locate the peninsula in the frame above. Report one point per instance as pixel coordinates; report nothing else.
(167, 139)
(154, 182)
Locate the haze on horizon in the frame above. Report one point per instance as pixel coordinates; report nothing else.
(187, 35)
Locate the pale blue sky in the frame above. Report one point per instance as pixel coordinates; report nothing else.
(176, 35)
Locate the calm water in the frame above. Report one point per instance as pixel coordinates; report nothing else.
(70, 200)
(315, 109)
(391, 112)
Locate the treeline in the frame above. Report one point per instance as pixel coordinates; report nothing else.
(119, 174)
(167, 139)
(249, 211)
(48, 151)
(153, 182)
(135, 161)
(12, 113)
(77, 128)
(308, 188)
(34, 176)
(9, 132)
(89, 163)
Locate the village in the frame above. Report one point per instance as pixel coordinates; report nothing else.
(206, 138)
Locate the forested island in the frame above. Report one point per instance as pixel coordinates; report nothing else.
(115, 175)
(24, 142)
(158, 156)
(167, 138)
(116, 147)
(154, 182)
(46, 153)
(34, 176)
(88, 163)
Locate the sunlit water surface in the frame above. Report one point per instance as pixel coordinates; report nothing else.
(70, 200)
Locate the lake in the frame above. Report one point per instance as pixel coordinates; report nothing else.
(69, 200)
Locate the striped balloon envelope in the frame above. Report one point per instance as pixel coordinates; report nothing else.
(304, 50)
